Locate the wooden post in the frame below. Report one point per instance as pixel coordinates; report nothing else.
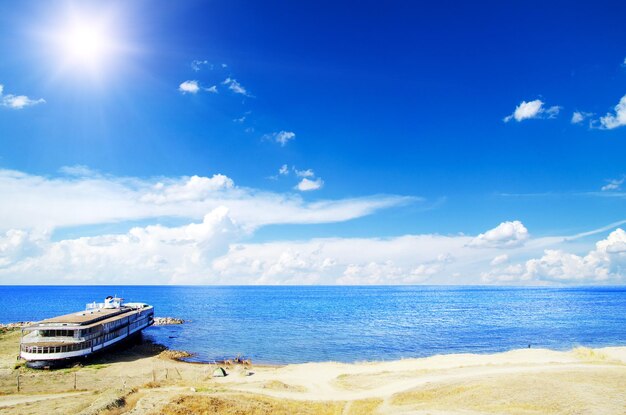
(18, 382)
(74, 380)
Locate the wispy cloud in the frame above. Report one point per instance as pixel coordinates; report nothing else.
(197, 65)
(532, 109)
(304, 173)
(236, 87)
(17, 102)
(78, 170)
(613, 184)
(580, 116)
(81, 198)
(283, 170)
(281, 137)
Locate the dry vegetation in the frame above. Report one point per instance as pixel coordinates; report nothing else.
(248, 405)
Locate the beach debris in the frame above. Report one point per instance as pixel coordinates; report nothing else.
(237, 360)
(167, 321)
(219, 372)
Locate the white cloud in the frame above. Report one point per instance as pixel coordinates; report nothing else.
(281, 137)
(240, 120)
(152, 254)
(402, 260)
(306, 185)
(532, 109)
(604, 264)
(211, 89)
(505, 235)
(235, 86)
(30, 201)
(613, 184)
(209, 251)
(17, 102)
(284, 170)
(500, 259)
(190, 87)
(579, 116)
(78, 170)
(618, 119)
(197, 65)
(305, 173)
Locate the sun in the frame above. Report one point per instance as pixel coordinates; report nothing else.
(85, 44)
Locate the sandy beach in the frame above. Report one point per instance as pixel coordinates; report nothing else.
(146, 379)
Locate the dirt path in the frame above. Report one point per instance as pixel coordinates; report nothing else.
(13, 400)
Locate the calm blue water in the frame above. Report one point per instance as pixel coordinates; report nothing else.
(299, 324)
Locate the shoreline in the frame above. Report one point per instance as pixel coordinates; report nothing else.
(148, 378)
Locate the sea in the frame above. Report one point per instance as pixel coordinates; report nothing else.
(295, 324)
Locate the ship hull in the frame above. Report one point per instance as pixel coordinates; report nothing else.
(63, 360)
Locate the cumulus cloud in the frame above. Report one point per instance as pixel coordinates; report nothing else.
(616, 119)
(306, 185)
(190, 87)
(210, 250)
(401, 260)
(153, 254)
(235, 86)
(532, 109)
(505, 235)
(613, 184)
(281, 137)
(283, 170)
(604, 264)
(17, 101)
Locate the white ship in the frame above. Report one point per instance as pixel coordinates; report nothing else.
(60, 340)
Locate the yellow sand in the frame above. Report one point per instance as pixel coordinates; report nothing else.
(145, 381)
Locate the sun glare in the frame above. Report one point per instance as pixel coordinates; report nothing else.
(85, 44)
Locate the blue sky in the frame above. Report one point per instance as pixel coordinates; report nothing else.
(401, 106)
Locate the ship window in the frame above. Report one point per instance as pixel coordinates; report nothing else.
(56, 333)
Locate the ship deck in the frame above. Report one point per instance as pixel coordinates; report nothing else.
(85, 319)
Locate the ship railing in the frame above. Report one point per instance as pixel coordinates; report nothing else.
(94, 306)
(46, 339)
(60, 348)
